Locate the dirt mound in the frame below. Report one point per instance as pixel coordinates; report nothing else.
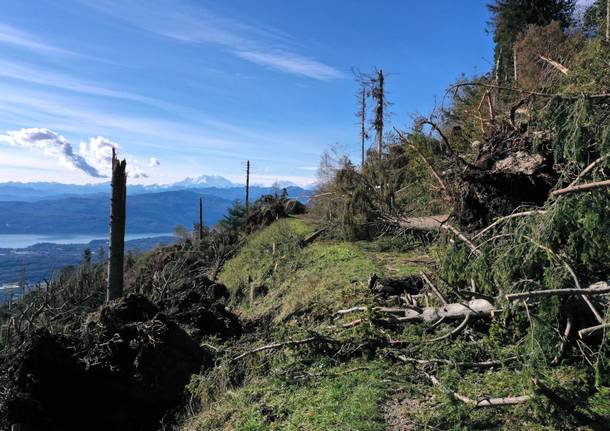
(507, 173)
(178, 285)
(124, 371)
(197, 305)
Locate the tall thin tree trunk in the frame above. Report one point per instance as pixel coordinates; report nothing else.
(608, 21)
(247, 186)
(515, 64)
(362, 126)
(117, 228)
(200, 219)
(380, 96)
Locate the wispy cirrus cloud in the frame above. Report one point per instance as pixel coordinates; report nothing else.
(292, 63)
(13, 36)
(49, 78)
(185, 23)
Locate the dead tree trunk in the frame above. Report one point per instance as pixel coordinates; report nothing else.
(362, 115)
(200, 219)
(515, 65)
(247, 187)
(608, 21)
(117, 229)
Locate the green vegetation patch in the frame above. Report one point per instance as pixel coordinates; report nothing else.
(324, 397)
(274, 276)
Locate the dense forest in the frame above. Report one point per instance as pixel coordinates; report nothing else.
(455, 276)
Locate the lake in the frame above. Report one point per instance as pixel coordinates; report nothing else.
(23, 241)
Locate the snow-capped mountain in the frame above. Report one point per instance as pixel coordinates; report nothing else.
(205, 181)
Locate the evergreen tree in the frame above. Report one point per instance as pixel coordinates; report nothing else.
(511, 17)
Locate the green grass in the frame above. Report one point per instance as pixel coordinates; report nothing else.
(287, 279)
(325, 397)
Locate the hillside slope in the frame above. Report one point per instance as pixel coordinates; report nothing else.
(302, 366)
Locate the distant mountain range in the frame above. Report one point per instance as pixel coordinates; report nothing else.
(16, 191)
(54, 208)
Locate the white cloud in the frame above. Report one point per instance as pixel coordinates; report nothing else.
(98, 152)
(94, 157)
(51, 144)
(153, 162)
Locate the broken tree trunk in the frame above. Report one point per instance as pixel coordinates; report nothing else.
(448, 312)
(117, 229)
(425, 224)
(560, 67)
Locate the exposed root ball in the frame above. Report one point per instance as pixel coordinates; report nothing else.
(124, 370)
(506, 174)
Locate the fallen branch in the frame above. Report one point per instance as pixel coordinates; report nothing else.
(482, 402)
(581, 188)
(483, 364)
(453, 311)
(560, 67)
(598, 316)
(390, 310)
(277, 346)
(456, 331)
(588, 169)
(592, 330)
(508, 217)
(433, 287)
(600, 288)
(425, 159)
(461, 236)
(445, 140)
(311, 238)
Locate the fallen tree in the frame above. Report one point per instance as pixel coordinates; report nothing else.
(454, 311)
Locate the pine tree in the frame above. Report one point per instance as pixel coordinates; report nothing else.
(511, 17)
(378, 94)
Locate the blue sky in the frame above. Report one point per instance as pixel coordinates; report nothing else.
(186, 88)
